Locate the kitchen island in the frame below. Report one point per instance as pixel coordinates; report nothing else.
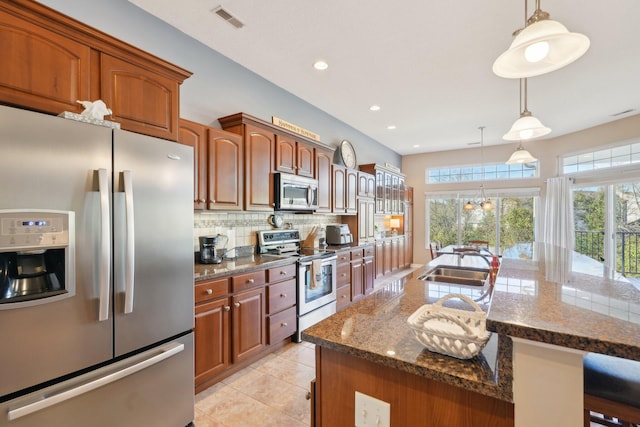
(546, 313)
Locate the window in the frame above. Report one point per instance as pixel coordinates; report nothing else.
(509, 228)
(481, 173)
(609, 157)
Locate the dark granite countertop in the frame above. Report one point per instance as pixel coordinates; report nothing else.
(564, 298)
(376, 329)
(237, 266)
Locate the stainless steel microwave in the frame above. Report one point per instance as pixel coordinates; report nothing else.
(295, 193)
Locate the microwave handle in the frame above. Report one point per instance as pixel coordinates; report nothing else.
(309, 195)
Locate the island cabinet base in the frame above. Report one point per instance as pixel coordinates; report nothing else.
(415, 400)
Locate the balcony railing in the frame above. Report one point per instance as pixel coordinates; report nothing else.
(591, 243)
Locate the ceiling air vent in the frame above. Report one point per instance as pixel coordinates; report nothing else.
(222, 13)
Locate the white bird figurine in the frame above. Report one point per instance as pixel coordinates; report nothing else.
(95, 110)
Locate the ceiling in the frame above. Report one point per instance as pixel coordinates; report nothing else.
(427, 64)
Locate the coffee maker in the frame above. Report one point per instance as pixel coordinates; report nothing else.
(210, 250)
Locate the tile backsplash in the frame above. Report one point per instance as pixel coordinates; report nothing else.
(241, 227)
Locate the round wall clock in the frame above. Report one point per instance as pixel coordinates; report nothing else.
(348, 154)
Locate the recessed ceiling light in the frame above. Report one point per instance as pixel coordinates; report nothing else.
(391, 127)
(320, 65)
(416, 146)
(374, 108)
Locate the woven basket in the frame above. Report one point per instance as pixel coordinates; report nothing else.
(457, 333)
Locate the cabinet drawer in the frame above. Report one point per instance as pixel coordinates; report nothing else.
(281, 296)
(356, 254)
(343, 275)
(211, 289)
(247, 281)
(282, 325)
(343, 296)
(284, 272)
(369, 251)
(343, 257)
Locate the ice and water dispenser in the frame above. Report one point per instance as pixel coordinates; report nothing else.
(36, 257)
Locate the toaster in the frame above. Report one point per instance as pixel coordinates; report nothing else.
(338, 234)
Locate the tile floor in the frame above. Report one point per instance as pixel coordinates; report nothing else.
(270, 392)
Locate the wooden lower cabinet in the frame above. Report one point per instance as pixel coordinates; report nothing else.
(414, 400)
(240, 319)
(368, 269)
(379, 259)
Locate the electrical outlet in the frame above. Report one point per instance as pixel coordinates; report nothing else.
(371, 412)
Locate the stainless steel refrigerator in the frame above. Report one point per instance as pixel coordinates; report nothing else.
(96, 275)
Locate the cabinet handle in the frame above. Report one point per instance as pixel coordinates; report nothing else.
(283, 324)
(283, 273)
(236, 304)
(343, 296)
(344, 274)
(227, 308)
(209, 291)
(250, 281)
(283, 295)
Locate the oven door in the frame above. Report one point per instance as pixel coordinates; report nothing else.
(313, 294)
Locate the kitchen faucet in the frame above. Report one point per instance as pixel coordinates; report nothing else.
(474, 252)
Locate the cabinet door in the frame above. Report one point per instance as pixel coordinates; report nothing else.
(368, 274)
(339, 185)
(387, 257)
(401, 252)
(42, 70)
(249, 331)
(380, 192)
(351, 191)
(379, 259)
(211, 339)
(395, 259)
(224, 153)
(371, 186)
(362, 184)
(285, 154)
(305, 159)
(258, 146)
(357, 280)
(370, 220)
(141, 101)
(195, 135)
(323, 175)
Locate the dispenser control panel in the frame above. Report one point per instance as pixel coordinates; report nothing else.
(34, 228)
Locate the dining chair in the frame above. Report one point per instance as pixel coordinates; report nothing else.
(434, 247)
(484, 243)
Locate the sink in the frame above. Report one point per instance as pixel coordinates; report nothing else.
(459, 275)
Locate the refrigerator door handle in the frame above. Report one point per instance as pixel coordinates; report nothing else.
(168, 351)
(130, 242)
(105, 245)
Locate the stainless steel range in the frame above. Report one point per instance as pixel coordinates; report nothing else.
(316, 277)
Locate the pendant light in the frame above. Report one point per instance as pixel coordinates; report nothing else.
(542, 46)
(485, 202)
(520, 156)
(527, 126)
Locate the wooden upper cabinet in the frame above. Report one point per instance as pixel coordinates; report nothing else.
(351, 191)
(294, 156)
(258, 191)
(141, 101)
(323, 175)
(366, 185)
(195, 135)
(51, 60)
(225, 170)
(41, 69)
(339, 186)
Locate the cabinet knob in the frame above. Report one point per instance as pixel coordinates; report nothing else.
(236, 304)
(227, 308)
(209, 291)
(200, 200)
(283, 324)
(308, 395)
(283, 273)
(250, 281)
(343, 296)
(283, 295)
(343, 274)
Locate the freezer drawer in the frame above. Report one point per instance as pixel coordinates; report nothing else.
(154, 388)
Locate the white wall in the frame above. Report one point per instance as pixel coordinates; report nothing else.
(547, 151)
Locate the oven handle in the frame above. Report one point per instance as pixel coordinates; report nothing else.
(324, 261)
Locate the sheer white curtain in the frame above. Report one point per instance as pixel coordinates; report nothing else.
(558, 227)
